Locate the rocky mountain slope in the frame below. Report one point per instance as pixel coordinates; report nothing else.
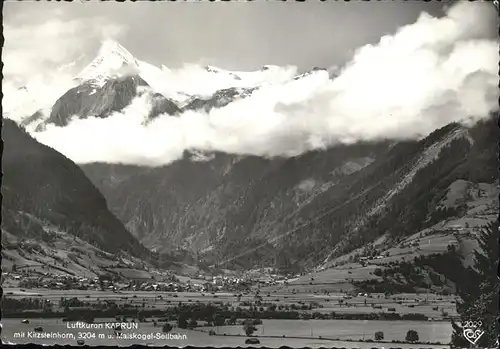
(301, 211)
(47, 197)
(88, 100)
(292, 213)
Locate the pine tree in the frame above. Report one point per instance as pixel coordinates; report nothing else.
(479, 291)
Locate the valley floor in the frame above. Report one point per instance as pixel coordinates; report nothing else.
(298, 333)
(430, 305)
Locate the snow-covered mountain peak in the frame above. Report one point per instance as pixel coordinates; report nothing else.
(110, 47)
(111, 59)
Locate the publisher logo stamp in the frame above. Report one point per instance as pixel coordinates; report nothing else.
(473, 331)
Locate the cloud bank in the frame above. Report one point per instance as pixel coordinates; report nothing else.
(41, 58)
(426, 75)
(205, 80)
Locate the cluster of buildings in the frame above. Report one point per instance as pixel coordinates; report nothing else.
(247, 281)
(221, 283)
(169, 283)
(156, 286)
(55, 281)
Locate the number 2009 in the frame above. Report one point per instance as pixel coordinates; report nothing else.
(473, 323)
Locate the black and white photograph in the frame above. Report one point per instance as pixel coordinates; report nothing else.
(250, 174)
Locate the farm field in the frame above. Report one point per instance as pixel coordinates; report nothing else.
(399, 309)
(127, 296)
(334, 332)
(428, 304)
(345, 329)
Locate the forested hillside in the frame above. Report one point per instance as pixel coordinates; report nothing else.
(298, 211)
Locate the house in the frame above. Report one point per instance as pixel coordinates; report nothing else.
(208, 287)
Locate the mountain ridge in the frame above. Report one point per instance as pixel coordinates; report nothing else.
(298, 211)
(246, 205)
(41, 183)
(111, 81)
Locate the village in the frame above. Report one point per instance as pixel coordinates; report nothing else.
(164, 281)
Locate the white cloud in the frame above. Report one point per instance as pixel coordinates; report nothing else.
(39, 48)
(42, 58)
(194, 79)
(428, 74)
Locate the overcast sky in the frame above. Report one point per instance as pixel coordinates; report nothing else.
(237, 36)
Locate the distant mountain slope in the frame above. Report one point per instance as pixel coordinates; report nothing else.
(88, 100)
(219, 99)
(42, 188)
(115, 94)
(248, 210)
(304, 211)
